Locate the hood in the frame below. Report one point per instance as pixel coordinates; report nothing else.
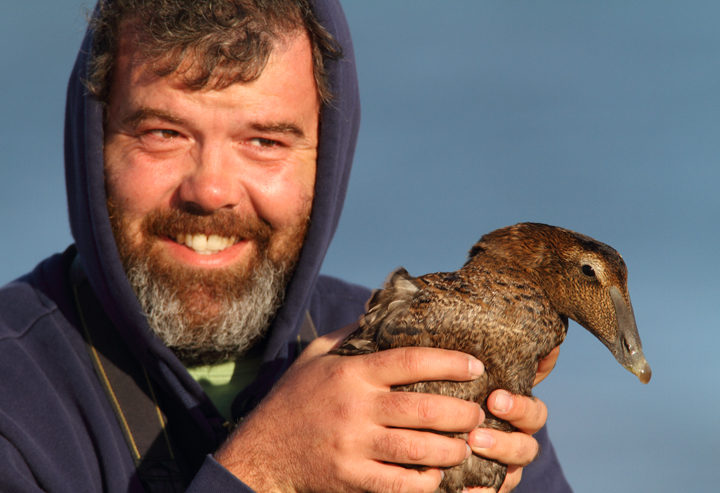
(90, 223)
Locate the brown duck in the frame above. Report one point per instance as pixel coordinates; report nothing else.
(508, 306)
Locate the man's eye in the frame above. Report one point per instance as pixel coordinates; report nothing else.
(260, 142)
(165, 133)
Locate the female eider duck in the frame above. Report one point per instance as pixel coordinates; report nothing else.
(509, 307)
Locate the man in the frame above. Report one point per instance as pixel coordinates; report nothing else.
(208, 148)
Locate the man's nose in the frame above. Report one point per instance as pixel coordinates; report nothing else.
(212, 182)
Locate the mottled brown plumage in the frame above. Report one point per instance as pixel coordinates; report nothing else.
(508, 306)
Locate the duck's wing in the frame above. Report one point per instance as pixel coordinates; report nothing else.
(384, 309)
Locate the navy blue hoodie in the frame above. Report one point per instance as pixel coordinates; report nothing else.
(58, 431)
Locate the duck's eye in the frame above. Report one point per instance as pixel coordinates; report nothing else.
(588, 270)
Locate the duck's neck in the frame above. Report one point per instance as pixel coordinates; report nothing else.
(534, 255)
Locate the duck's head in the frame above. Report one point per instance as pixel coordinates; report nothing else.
(584, 279)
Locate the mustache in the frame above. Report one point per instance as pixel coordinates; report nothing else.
(226, 223)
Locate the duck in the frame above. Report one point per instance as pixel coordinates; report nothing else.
(509, 307)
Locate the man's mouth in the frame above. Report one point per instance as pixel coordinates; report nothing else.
(205, 244)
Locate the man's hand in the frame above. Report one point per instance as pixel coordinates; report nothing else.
(332, 423)
(528, 415)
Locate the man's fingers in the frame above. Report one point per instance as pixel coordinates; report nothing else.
(400, 446)
(512, 479)
(527, 414)
(426, 411)
(323, 344)
(546, 365)
(389, 478)
(517, 449)
(420, 364)
(402, 365)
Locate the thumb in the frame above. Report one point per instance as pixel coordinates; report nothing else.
(323, 344)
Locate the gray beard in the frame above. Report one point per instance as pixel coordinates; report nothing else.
(242, 320)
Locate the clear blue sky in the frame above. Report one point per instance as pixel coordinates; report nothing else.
(602, 117)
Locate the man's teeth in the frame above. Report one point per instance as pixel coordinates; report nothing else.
(205, 245)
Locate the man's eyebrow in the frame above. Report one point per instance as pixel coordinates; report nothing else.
(282, 128)
(144, 113)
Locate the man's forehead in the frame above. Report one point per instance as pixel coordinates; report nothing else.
(133, 67)
(189, 67)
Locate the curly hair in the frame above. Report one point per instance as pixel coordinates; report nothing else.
(226, 41)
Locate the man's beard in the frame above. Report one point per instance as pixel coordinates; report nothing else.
(207, 315)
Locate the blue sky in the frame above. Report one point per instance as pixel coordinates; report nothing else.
(601, 117)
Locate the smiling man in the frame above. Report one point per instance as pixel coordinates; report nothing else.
(210, 193)
(208, 149)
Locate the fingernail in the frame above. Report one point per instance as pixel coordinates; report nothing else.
(503, 402)
(468, 452)
(476, 367)
(483, 440)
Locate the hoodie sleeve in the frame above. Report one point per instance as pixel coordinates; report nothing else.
(544, 474)
(214, 477)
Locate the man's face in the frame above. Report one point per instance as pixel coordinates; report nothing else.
(204, 185)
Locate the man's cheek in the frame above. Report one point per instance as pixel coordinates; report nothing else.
(284, 207)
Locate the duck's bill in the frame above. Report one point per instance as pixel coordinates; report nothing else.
(628, 348)
(640, 367)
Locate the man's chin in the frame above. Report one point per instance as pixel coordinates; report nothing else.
(209, 315)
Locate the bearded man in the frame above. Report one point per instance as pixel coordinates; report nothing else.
(208, 149)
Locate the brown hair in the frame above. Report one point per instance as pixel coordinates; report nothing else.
(225, 41)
